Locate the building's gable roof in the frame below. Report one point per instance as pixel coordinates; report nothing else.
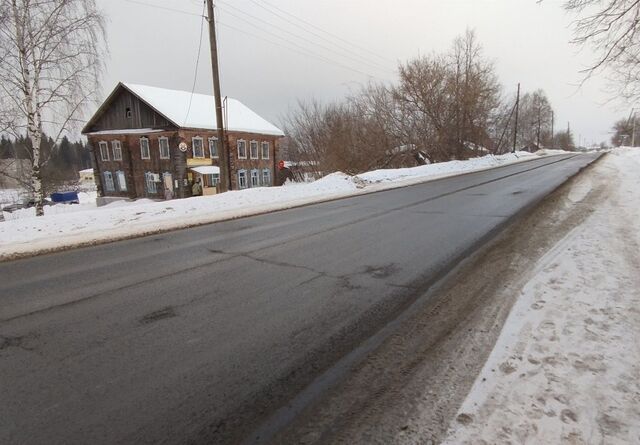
(197, 111)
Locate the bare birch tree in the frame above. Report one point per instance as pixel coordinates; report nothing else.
(50, 70)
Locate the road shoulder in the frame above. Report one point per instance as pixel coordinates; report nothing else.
(566, 368)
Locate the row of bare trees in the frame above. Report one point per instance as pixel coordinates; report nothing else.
(444, 106)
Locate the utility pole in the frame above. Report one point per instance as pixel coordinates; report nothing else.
(539, 125)
(515, 132)
(633, 132)
(225, 177)
(552, 122)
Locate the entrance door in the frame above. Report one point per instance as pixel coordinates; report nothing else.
(168, 181)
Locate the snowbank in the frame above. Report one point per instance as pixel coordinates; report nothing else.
(443, 168)
(72, 225)
(566, 368)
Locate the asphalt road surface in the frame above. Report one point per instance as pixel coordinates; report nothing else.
(199, 335)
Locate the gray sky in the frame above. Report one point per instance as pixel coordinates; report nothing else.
(271, 68)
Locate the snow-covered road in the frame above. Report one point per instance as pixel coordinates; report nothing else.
(566, 368)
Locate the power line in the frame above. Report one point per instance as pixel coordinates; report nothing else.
(195, 74)
(301, 50)
(151, 5)
(306, 29)
(288, 32)
(327, 32)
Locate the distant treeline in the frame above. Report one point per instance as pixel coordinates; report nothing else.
(443, 106)
(60, 163)
(65, 159)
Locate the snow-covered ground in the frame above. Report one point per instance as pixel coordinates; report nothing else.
(566, 368)
(70, 225)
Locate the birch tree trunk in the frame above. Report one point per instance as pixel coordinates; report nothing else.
(51, 53)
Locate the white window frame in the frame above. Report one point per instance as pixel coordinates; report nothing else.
(262, 145)
(193, 147)
(244, 144)
(215, 141)
(116, 144)
(241, 174)
(160, 141)
(251, 145)
(104, 149)
(255, 175)
(142, 156)
(109, 185)
(268, 173)
(121, 181)
(150, 184)
(214, 178)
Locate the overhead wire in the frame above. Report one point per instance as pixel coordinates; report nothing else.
(349, 52)
(166, 8)
(300, 50)
(334, 36)
(293, 34)
(195, 74)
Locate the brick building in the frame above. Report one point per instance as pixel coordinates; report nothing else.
(147, 140)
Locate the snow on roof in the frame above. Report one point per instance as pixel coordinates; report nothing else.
(174, 104)
(126, 131)
(207, 170)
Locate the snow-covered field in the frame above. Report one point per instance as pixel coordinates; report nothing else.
(70, 225)
(566, 368)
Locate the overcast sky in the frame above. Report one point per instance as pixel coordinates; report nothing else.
(270, 68)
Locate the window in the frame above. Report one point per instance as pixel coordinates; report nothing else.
(254, 149)
(128, 113)
(265, 150)
(266, 177)
(104, 150)
(198, 147)
(150, 180)
(163, 144)
(117, 150)
(242, 150)
(211, 180)
(108, 182)
(242, 179)
(213, 147)
(144, 148)
(122, 181)
(255, 182)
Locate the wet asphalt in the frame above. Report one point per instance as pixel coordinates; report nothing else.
(198, 335)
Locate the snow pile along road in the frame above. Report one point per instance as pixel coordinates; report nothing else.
(566, 368)
(85, 224)
(446, 168)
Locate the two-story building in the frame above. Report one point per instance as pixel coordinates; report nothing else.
(152, 142)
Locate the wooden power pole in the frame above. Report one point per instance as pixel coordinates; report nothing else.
(539, 127)
(552, 129)
(515, 130)
(225, 178)
(633, 132)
